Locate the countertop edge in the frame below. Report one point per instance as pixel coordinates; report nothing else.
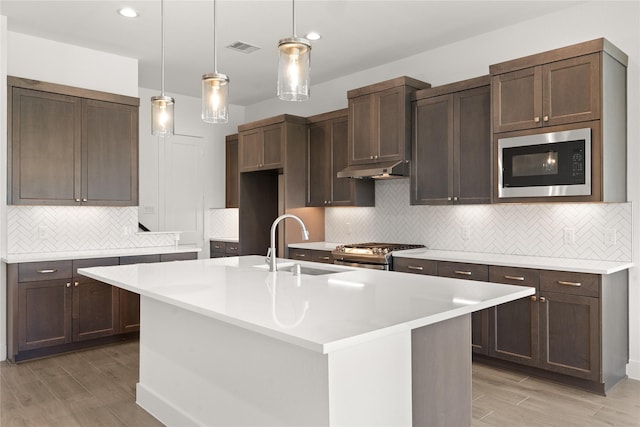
(97, 253)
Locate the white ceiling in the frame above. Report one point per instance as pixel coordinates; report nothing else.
(357, 34)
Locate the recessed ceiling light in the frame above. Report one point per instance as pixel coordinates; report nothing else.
(313, 36)
(128, 12)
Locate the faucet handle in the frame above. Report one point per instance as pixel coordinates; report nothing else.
(268, 257)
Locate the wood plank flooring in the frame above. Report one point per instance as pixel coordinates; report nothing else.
(97, 388)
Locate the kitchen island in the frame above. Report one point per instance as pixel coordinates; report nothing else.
(225, 342)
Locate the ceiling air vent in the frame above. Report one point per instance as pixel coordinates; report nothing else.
(243, 47)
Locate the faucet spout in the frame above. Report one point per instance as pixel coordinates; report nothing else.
(271, 254)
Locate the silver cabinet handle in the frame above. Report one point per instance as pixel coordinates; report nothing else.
(455, 199)
(84, 199)
(543, 299)
(300, 255)
(519, 278)
(326, 258)
(76, 284)
(53, 270)
(534, 298)
(68, 285)
(78, 200)
(536, 119)
(576, 284)
(465, 273)
(415, 267)
(545, 119)
(448, 198)
(233, 249)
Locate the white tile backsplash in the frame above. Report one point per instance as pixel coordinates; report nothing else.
(516, 229)
(223, 223)
(37, 229)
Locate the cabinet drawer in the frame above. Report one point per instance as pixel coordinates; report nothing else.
(139, 259)
(45, 270)
(300, 254)
(322, 256)
(94, 262)
(460, 270)
(514, 276)
(570, 283)
(231, 248)
(215, 246)
(419, 266)
(181, 256)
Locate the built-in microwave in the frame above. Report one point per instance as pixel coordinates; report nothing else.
(545, 164)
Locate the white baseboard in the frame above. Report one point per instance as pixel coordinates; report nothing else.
(160, 409)
(633, 369)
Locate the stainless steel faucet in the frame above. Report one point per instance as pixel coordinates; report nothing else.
(271, 254)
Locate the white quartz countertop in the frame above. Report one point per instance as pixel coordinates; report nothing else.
(543, 263)
(97, 253)
(319, 246)
(320, 312)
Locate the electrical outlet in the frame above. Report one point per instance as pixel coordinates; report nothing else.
(43, 232)
(569, 236)
(610, 236)
(149, 210)
(466, 232)
(348, 227)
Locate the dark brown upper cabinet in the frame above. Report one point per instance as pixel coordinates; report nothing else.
(232, 174)
(578, 86)
(327, 155)
(451, 144)
(70, 146)
(557, 87)
(380, 121)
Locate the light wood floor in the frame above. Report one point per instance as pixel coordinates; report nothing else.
(97, 388)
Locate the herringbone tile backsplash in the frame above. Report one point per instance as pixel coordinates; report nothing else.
(37, 229)
(518, 229)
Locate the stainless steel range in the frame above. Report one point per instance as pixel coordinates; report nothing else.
(369, 255)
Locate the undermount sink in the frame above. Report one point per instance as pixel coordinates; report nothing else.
(311, 271)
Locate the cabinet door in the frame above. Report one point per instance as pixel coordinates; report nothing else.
(571, 90)
(232, 178)
(129, 302)
(44, 148)
(342, 189)
(517, 100)
(391, 124)
(250, 150)
(319, 165)
(432, 165)
(44, 314)
(472, 146)
(273, 147)
(514, 325)
(95, 309)
(361, 130)
(109, 154)
(570, 334)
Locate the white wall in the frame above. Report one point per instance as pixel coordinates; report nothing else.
(54, 62)
(187, 122)
(618, 21)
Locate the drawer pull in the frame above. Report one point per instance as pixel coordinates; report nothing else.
(415, 267)
(76, 284)
(53, 270)
(576, 284)
(464, 273)
(233, 249)
(543, 299)
(518, 278)
(300, 255)
(534, 298)
(326, 258)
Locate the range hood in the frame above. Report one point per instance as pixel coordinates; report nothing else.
(380, 170)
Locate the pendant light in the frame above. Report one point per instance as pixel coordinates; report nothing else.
(215, 88)
(294, 66)
(162, 106)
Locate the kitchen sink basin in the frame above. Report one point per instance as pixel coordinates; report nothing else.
(311, 271)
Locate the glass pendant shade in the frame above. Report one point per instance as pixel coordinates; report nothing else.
(215, 98)
(294, 67)
(162, 115)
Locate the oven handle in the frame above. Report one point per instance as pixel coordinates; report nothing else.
(361, 265)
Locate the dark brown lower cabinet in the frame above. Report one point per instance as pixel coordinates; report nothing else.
(52, 309)
(574, 329)
(44, 314)
(313, 255)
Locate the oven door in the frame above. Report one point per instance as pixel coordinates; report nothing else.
(361, 264)
(549, 164)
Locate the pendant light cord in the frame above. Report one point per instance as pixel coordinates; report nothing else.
(162, 42)
(293, 9)
(215, 30)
